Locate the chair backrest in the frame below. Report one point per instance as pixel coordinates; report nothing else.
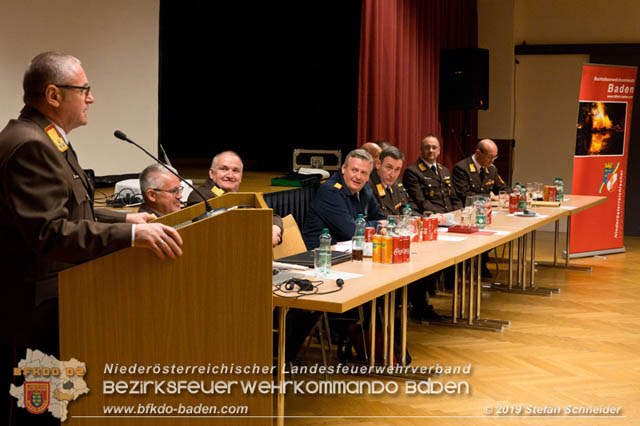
(292, 242)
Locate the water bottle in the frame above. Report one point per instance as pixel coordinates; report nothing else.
(357, 247)
(559, 190)
(481, 213)
(324, 261)
(360, 225)
(522, 200)
(516, 188)
(406, 212)
(391, 227)
(405, 218)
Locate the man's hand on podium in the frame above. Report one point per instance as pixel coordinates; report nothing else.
(163, 240)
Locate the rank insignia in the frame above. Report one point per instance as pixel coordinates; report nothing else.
(217, 191)
(472, 168)
(337, 185)
(56, 138)
(380, 189)
(422, 167)
(36, 397)
(397, 205)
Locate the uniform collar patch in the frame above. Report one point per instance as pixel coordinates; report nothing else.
(217, 191)
(56, 138)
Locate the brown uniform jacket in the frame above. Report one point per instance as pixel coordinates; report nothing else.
(392, 199)
(468, 180)
(430, 191)
(209, 190)
(144, 208)
(47, 221)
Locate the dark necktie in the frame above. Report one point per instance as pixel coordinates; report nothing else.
(435, 169)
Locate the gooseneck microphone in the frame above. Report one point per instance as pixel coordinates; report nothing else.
(210, 212)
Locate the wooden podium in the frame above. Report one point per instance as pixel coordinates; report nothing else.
(211, 308)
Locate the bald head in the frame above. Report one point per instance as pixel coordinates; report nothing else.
(486, 152)
(372, 148)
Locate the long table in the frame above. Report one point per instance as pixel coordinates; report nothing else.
(426, 258)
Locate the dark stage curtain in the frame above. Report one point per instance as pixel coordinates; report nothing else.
(399, 71)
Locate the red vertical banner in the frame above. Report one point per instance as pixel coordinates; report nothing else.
(600, 161)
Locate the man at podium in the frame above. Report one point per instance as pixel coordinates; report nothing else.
(47, 219)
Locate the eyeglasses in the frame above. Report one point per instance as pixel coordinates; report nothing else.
(85, 89)
(490, 156)
(174, 191)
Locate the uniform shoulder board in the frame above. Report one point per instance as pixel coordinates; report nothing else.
(397, 206)
(422, 167)
(472, 168)
(337, 185)
(217, 191)
(380, 189)
(56, 138)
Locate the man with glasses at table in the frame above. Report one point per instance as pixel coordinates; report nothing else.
(161, 191)
(477, 175)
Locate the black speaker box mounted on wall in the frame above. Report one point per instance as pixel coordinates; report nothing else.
(464, 79)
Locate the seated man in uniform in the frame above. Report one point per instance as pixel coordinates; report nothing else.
(390, 193)
(340, 199)
(225, 175)
(476, 175)
(428, 183)
(160, 189)
(392, 198)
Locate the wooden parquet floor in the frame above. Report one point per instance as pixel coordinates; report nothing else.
(578, 348)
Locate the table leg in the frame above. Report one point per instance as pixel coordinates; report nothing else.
(392, 325)
(372, 334)
(568, 249)
(282, 332)
(385, 329)
(521, 287)
(471, 321)
(404, 325)
(454, 313)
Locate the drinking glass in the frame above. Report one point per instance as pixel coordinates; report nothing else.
(503, 196)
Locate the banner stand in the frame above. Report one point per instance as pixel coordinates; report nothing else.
(600, 160)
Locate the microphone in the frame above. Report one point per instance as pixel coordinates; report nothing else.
(210, 212)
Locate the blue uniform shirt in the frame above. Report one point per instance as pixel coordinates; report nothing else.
(334, 207)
